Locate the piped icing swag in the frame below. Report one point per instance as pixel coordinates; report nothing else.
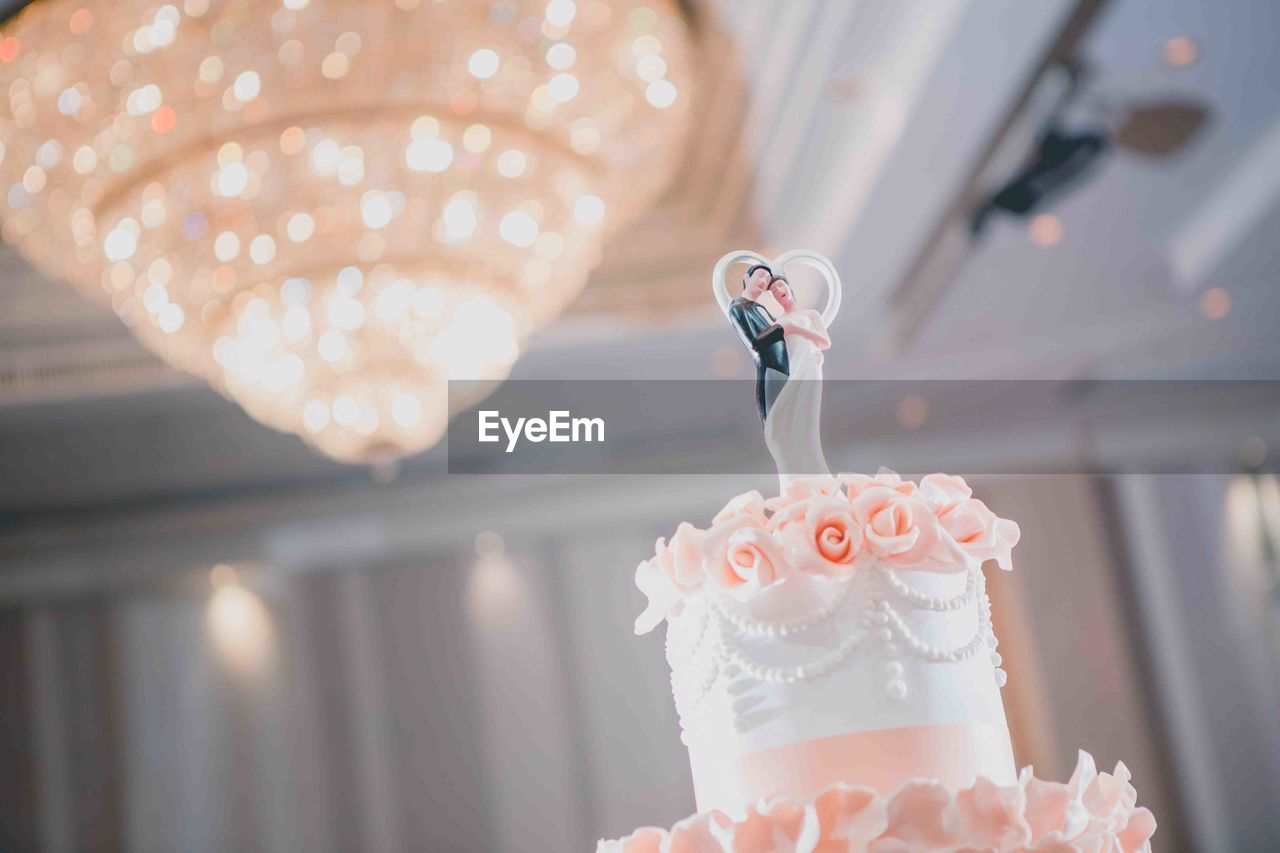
(830, 527)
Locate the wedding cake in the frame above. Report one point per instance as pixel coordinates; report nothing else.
(836, 674)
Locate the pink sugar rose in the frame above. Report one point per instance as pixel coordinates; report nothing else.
(741, 558)
(674, 571)
(787, 515)
(756, 557)
(750, 504)
(943, 491)
(816, 527)
(796, 495)
(810, 487)
(795, 498)
(979, 532)
(682, 558)
(828, 539)
(664, 598)
(898, 528)
(856, 484)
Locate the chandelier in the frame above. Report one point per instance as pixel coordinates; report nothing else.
(330, 208)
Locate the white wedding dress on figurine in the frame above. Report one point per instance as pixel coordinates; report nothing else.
(792, 427)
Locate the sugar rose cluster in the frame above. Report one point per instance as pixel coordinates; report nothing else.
(828, 527)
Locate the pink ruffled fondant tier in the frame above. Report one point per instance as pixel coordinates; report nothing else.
(1093, 812)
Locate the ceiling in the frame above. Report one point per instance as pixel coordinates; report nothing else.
(854, 128)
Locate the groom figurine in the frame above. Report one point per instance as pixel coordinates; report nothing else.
(763, 337)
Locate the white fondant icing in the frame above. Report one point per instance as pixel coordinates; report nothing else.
(812, 658)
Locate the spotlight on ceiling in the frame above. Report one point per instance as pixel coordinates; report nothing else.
(1084, 124)
(1060, 159)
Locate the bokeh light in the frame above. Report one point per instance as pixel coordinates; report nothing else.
(325, 234)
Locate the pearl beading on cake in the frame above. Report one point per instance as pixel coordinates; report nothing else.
(891, 622)
(757, 628)
(925, 651)
(929, 602)
(719, 658)
(703, 653)
(790, 675)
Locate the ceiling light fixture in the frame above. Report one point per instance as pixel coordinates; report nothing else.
(330, 208)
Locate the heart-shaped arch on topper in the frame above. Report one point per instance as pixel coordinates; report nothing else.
(779, 266)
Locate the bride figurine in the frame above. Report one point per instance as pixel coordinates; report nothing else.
(792, 426)
(791, 413)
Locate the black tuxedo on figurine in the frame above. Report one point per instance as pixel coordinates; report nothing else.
(764, 338)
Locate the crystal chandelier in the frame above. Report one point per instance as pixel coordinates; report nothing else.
(329, 208)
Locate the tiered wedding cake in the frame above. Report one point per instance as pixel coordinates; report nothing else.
(837, 680)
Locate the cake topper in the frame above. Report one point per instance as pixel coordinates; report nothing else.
(787, 353)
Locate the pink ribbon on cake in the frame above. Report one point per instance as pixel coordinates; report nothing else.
(955, 754)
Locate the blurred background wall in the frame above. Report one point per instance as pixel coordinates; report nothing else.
(213, 638)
